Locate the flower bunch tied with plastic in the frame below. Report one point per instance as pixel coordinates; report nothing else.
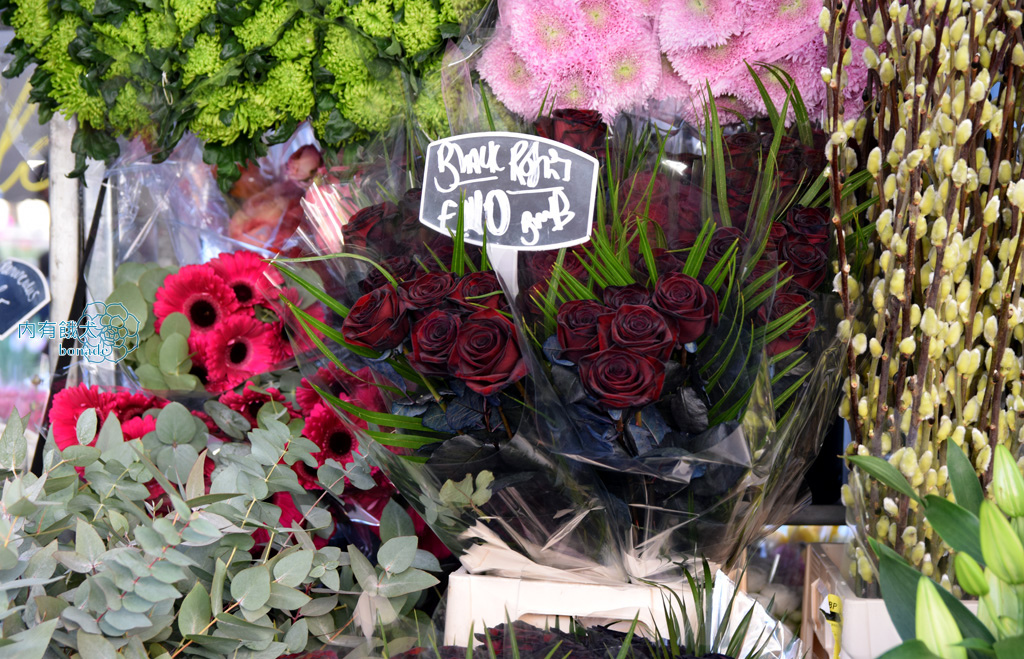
(691, 339)
(208, 327)
(432, 330)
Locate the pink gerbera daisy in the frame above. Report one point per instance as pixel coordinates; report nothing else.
(138, 427)
(288, 328)
(334, 437)
(359, 387)
(685, 24)
(247, 274)
(197, 292)
(240, 347)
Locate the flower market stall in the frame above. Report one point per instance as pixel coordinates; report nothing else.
(437, 328)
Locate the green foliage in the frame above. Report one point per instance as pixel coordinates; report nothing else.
(97, 565)
(931, 621)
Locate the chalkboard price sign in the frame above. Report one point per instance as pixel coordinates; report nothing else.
(527, 193)
(23, 292)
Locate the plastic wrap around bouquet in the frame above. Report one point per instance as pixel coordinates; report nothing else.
(653, 394)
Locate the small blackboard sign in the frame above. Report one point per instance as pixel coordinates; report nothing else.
(528, 193)
(23, 292)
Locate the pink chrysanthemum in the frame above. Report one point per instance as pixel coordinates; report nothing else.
(721, 66)
(629, 74)
(730, 109)
(240, 347)
(685, 24)
(647, 8)
(197, 292)
(785, 23)
(545, 33)
(510, 77)
(334, 437)
(671, 86)
(247, 274)
(574, 89)
(602, 19)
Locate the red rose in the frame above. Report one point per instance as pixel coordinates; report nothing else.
(433, 338)
(541, 264)
(376, 320)
(620, 378)
(637, 328)
(805, 262)
(665, 263)
(687, 304)
(808, 224)
(577, 327)
(477, 290)
(744, 150)
(486, 355)
(401, 268)
(368, 226)
(579, 129)
(722, 240)
(616, 296)
(776, 236)
(426, 292)
(783, 304)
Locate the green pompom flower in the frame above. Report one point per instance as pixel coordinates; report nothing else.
(418, 29)
(203, 58)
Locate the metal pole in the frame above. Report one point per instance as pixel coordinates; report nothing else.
(65, 225)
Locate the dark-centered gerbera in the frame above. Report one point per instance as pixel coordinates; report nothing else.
(248, 275)
(240, 347)
(197, 292)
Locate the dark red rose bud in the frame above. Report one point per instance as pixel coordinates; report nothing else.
(637, 328)
(580, 129)
(540, 265)
(665, 263)
(620, 379)
(486, 355)
(367, 227)
(478, 290)
(805, 263)
(616, 296)
(376, 320)
(401, 268)
(687, 304)
(785, 303)
(722, 241)
(577, 327)
(433, 338)
(426, 292)
(808, 225)
(776, 236)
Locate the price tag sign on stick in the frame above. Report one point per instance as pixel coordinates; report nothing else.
(525, 193)
(23, 292)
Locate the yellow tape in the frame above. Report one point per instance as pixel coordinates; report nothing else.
(835, 622)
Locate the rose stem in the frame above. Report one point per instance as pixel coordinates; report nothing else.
(504, 422)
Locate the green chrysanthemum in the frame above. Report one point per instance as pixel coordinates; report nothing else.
(203, 58)
(373, 17)
(345, 54)
(429, 107)
(128, 115)
(131, 34)
(457, 11)
(261, 29)
(298, 41)
(418, 30)
(31, 21)
(188, 13)
(212, 101)
(160, 30)
(64, 75)
(371, 104)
